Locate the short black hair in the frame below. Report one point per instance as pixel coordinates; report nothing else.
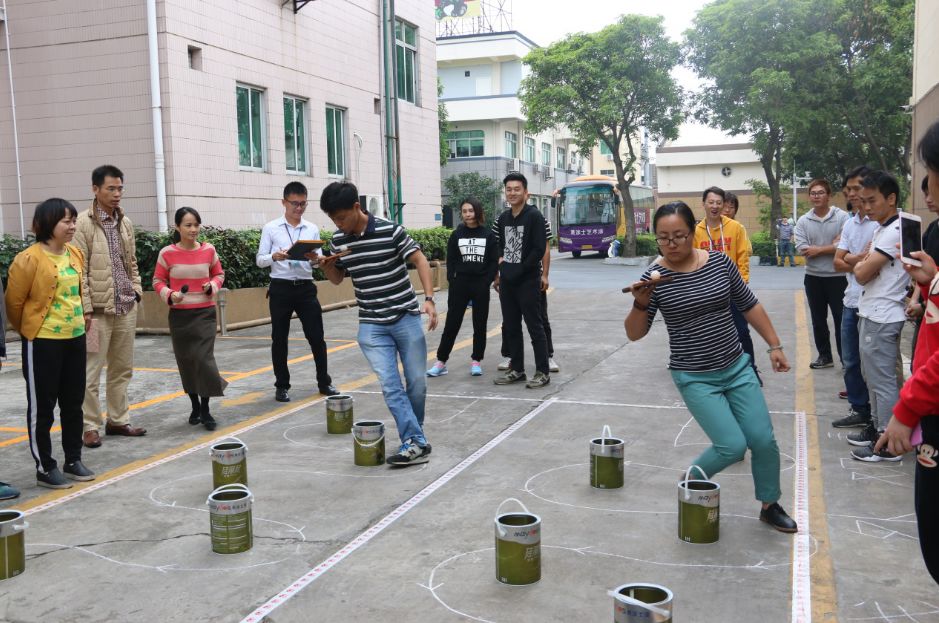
(295, 188)
(860, 171)
(47, 216)
(715, 190)
(885, 183)
(338, 196)
(925, 185)
(676, 207)
(105, 170)
(929, 147)
(515, 176)
(731, 198)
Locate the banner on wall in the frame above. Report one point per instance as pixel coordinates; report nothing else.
(449, 10)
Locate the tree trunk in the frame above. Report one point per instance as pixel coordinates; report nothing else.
(629, 242)
(770, 161)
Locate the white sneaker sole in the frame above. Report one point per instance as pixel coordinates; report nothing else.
(433, 376)
(49, 485)
(876, 458)
(78, 478)
(417, 461)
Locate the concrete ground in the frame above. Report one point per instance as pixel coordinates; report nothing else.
(336, 542)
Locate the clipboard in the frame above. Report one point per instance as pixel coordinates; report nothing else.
(301, 247)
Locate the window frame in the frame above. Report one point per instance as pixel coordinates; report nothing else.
(407, 52)
(528, 149)
(546, 154)
(513, 153)
(262, 128)
(561, 158)
(340, 154)
(299, 138)
(478, 139)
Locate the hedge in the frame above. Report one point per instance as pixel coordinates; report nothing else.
(763, 245)
(645, 245)
(237, 249)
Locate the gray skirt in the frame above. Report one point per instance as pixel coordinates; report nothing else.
(193, 335)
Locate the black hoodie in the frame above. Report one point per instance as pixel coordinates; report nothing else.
(522, 243)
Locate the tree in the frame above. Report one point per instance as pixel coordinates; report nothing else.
(486, 189)
(443, 124)
(765, 62)
(605, 86)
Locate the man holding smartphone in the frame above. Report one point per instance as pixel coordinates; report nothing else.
(881, 310)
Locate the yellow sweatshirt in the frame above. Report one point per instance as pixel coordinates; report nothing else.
(729, 238)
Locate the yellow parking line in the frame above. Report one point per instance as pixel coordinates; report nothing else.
(267, 338)
(824, 598)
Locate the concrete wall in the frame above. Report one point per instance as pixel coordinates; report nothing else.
(925, 99)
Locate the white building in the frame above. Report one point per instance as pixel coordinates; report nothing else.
(481, 74)
(252, 94)
(925, 97)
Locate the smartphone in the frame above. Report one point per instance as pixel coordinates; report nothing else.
(911, 238)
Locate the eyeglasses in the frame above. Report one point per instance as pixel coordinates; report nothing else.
(821, 193)
(297, 204)
(677, 240)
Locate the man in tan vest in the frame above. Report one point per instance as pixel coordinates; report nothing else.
(106, 238)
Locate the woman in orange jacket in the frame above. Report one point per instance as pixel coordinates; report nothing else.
(44, 304)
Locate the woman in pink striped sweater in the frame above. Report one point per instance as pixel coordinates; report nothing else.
(187, 276)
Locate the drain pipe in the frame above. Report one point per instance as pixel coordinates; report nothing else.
(391, 104)
(159, 161)
(16, 138)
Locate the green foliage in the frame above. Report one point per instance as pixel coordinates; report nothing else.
(433, 241)
(486, 189)
(645, 245)
(10, 246)
(763, 202)
(443, 124)
(763, 244)
(604, 87)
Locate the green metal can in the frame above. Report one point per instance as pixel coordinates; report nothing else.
(368, 443)
(606, 461)
(699, 509)
(642, 603)
(230, 522)
(229, 463)
(518, 546)
(339, 414)
(12, 544)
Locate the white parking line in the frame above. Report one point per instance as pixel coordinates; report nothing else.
(801, 551)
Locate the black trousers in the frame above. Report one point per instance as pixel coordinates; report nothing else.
(55, 373)
(825, 293)
(522, 300)
(927, 496)
(284, 299)
(743, 332)
(544, 322)
(463, 290)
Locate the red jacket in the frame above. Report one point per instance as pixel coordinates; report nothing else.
(920, 394)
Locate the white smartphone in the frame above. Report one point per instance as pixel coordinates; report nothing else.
(911, 237)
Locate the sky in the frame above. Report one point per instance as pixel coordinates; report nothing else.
(546, 21)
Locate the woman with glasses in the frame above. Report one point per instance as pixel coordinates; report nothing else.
(694, 289)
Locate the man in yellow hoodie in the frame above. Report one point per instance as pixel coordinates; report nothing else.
(718, 233)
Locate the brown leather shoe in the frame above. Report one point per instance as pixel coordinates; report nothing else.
(91, 439)
(125, 430)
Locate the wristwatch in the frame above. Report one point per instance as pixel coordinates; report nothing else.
(429, 298)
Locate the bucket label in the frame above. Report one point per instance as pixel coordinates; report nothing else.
(228, 457)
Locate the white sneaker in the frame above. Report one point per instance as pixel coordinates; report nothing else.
(506, 364)
(553, 365)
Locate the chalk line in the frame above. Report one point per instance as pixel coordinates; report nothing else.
(801, 553)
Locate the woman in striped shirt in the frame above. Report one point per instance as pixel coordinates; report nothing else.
(187, 276)
(693, 289)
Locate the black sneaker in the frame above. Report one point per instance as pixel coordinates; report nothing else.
(512, 376)
(775, 516)
(53, 479)
(868, 455)
(865, 437)
(822, 362)
(539, 380)
(195, 417)
(208, 421)
(76, 470)
(281, 395)
(854, 419)
(410, 454)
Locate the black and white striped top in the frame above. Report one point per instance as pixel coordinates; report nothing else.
(696, 308)
(379, 276)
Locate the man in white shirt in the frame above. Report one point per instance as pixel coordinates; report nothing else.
(292, 290)
(882, 311)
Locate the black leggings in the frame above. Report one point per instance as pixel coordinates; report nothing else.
(463, 290)
(927, 495)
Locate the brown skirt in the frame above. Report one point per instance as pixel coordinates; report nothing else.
(193, 335)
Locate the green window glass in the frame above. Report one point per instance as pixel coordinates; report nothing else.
(250, 131)
(604, 150)
(466, 143)
(295, 134)
(406, 61)
(511, 144)
(335, 142)
(546, 154)
(529, 149)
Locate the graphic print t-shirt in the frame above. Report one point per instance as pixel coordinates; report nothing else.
(65, 319)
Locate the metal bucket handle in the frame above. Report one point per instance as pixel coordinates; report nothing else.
(236, 486)
(502, 531)
(688, 477)
(635, 602)
(20, 527)
(369, 444)
(225, 440)
(606, 434)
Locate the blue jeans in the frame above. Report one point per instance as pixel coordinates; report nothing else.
(382, 344)
(786, 250)
(851, 358)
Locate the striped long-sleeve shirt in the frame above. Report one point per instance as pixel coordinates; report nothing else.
(177, 267)
(696, 308)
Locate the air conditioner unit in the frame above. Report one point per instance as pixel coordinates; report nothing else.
(512, 165)
(536, 168)
(609, 157)
(375, 204)
(547, 173)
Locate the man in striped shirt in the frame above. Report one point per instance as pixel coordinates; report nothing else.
(373, 253)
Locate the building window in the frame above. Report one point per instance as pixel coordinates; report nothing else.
(608, 172)
(529, 149)
(604, 150)
(195, 57)
(250, 128)
(546, 154)
(464, 144)
(406, 60)
(335, 142)
(295, 134)
(562, 158)
(511, 144)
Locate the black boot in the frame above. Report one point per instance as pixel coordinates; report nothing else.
(196, 416)
(207, 420)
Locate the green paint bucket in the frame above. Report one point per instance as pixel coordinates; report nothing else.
(368, 443)
(229, 462)
(518, 546)
(339, 414)
(230, 519)
(699, 509)
(641, 603)
(606, 461)
(12, 544)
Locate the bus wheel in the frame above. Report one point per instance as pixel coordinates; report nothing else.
(576, 254)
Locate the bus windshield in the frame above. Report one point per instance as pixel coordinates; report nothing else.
(583, 205)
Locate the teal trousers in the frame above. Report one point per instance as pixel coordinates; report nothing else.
(729, 406)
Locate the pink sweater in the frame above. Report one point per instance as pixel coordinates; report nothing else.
(177, 267)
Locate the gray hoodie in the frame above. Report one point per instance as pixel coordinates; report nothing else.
(812, 231)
